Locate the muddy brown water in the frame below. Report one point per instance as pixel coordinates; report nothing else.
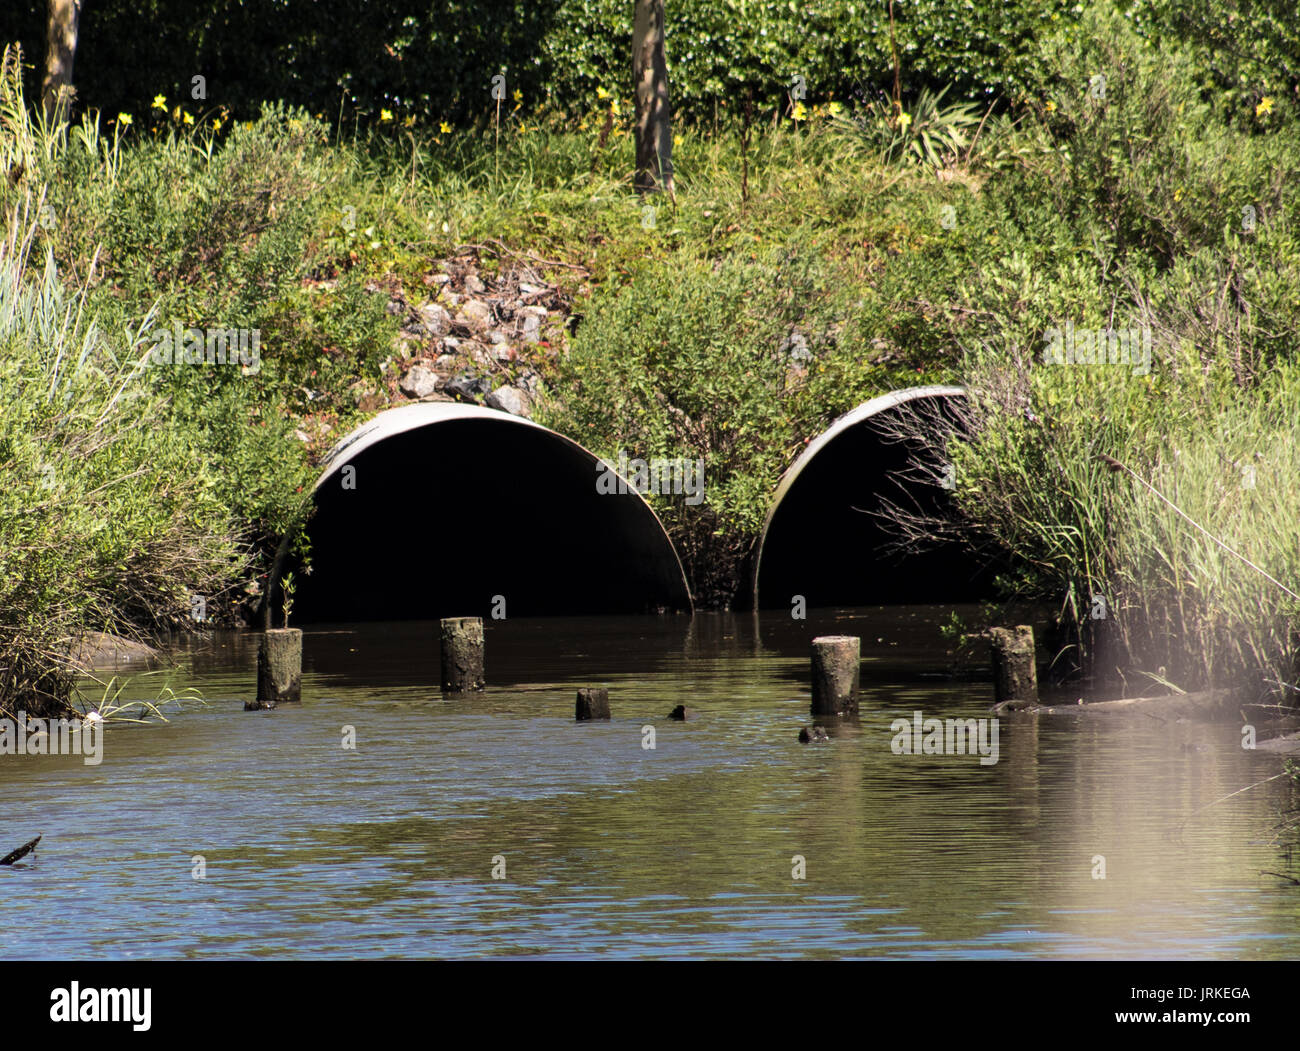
(608, 848)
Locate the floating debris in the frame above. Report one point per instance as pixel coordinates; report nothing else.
(20, 853)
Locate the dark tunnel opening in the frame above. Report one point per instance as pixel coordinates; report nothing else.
(447, 516)
(824, 541)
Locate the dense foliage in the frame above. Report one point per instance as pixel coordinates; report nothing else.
(805, 265)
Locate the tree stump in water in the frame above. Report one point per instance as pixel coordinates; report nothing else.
(835, 661)
(592, 703)
(462, 654)
(279, 668)
(1015, 677)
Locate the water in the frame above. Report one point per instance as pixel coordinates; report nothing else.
(614, 850)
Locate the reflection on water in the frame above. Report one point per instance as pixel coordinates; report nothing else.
(612, 849)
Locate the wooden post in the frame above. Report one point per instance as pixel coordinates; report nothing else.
(279, 669)
(1015, 677)
(835, 660)
(462, 654)
(593, 703)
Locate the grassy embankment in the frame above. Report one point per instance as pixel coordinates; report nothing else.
(801, 269)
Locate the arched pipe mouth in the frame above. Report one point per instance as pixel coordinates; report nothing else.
(809, 456)
(551, 469)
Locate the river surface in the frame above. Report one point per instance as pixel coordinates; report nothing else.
(608, 848)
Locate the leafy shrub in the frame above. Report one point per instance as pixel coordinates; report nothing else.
(107, 522)
(734, 363)
(178, 230)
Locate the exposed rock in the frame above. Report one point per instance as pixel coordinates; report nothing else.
(434, 319)
(419, 382)
(475, 315)
(795, 347)
(682, 714)
(511, 400)
(474, 286)
(529, 383)
(467, 385)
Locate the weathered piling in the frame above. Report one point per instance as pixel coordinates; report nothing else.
(592, 703)
(1015, 677)
(835, 661)
(279, 668)
(462, 654)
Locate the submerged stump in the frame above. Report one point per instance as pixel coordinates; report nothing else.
(279, 668)
(462, 654)
(1015, 677)
(835, 667)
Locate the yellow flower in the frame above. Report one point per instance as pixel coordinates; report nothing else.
(1051, 106)
(602, 94)
(187, 118)
(444, 127)
(124, 119)
(834, 108)
(409, 122)
(216, 124)
(904, 119)
(1178, 194)
(176, 113)
(385, 114)
(1265, 106)
(160, 102)
(800, 111)
(519, 95)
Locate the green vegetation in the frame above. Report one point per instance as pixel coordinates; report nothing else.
(106, 521)
(825, 253)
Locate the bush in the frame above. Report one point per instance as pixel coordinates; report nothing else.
(177, 230)
(108, 522)
(734, 363)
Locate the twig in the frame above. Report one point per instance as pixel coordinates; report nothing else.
(1207, 806)
(970, 149)
(500, 247)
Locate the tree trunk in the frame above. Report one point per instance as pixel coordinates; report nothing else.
(61, 48)
(654, 133)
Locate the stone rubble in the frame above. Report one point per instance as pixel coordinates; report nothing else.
(471, 334)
